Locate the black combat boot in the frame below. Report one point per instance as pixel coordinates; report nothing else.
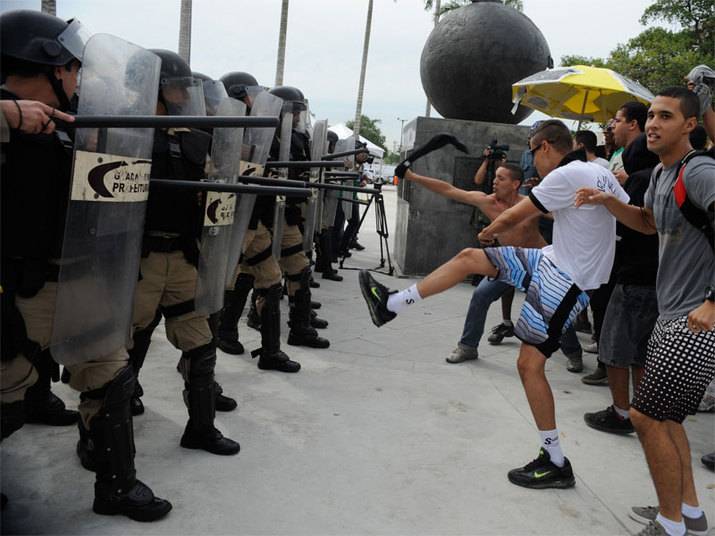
(317, 323)
(301, 332)
(233, 304)
(223, 402)
(200, 432)
(117, 490)
(12, 417)
(137, 355)
(270, 355)
(41, 404)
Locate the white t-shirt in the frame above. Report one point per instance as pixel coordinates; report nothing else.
(600, 161)
(584, 239)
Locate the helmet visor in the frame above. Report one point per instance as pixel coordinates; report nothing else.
(74, 38)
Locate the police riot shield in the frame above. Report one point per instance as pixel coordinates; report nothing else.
(348, 144)
(219, 209)
(256, 147)
(313, 209)
(214, 93)
(108, 194)
(283, 156)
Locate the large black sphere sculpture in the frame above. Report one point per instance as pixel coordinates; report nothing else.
(472, 57)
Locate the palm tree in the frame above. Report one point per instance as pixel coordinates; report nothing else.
(185, 31)
(282, 43)
(361, 86)
(49, 6)
(428, 5)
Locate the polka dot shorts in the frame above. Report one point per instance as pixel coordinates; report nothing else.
(679, 367)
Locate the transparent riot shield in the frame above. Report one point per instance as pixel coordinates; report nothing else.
(348, 144)
(283, 156)
(256, 147)
(105, 216)
(314, 206)
(219, 209)
(214, 93)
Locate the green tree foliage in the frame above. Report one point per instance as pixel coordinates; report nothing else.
(370, 129)
(696, 16)
(575, 59)
(659, 57)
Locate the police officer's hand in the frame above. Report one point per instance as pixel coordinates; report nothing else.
(32, 117)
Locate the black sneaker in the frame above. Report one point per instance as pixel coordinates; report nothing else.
(376, 296)
(609, 421)
(499, 332)
(541, 474)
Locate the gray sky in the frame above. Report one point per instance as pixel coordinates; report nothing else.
(325, 40)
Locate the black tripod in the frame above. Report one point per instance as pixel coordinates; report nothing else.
(380, 228)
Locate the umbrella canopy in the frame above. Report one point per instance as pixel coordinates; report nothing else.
(578, 92)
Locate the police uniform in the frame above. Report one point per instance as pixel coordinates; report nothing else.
(168, 268)
(35, 191)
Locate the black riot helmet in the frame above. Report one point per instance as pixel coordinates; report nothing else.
(332, 141)
(176, 78)
(175, 70)
(290, 95)
(32, 42)
(236, 83)
(214, 92)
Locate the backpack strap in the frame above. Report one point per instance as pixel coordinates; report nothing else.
(695, 216)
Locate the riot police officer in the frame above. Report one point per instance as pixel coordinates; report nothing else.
(41, 56)
(294, 262)
(258, 269)
(324, 252)
(168, 271)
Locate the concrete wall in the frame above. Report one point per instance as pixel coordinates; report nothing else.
(431, 229)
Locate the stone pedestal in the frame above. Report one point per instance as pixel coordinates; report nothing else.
(431, 229)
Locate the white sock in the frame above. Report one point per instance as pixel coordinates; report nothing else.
(550, 443)
(673, 528)
(622, 412)
(399, 300)
(693, 512)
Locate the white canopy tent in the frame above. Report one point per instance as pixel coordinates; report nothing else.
(344, 132)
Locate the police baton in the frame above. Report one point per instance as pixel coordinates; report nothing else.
(234, 188)
(294, 184)
(166, 121)
(333, 156)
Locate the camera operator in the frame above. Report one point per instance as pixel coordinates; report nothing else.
(494, 154)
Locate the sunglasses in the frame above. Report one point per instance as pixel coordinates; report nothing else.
(533, 151)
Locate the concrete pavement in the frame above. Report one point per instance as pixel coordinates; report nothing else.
(375, 435)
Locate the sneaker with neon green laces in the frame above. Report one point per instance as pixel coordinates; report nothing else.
(376, 296)
(542, 473)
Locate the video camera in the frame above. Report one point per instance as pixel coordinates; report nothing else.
(369, 159)
(496, 151)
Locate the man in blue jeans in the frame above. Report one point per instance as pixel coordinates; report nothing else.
(507, 180)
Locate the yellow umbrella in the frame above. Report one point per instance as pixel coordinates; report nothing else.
(578, 92)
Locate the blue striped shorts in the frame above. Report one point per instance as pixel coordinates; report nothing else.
(552, 298)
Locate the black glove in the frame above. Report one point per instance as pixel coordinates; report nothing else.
(436, 142)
